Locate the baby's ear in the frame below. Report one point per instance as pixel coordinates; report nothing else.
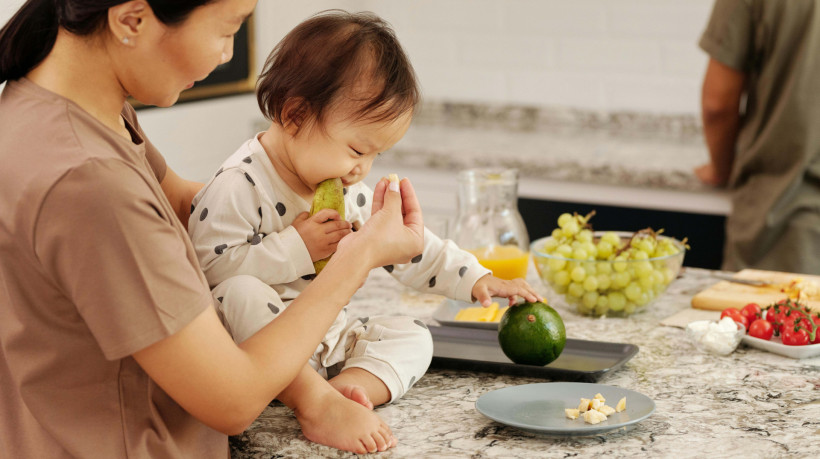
(295, 113)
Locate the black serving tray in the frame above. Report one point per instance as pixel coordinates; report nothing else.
(477, 349)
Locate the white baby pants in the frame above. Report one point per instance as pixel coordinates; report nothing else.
(396, 349)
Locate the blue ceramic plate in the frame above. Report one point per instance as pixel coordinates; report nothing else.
(540, 407)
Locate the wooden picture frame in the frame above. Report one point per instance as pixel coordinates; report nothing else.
(238, 76)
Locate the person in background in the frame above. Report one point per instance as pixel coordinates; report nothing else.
(761, 121)
(339, 91)
(110, 344)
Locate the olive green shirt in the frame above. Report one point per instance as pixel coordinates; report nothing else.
(775, 178)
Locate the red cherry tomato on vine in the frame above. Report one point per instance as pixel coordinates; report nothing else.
(816, 319)
(771, 314)
(761, 328)
(752, 312)
(795, 336)
(734, 314)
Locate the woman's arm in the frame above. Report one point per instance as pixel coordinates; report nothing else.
(180, 193)
(226, 386)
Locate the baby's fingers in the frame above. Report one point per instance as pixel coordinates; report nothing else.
(482, 295)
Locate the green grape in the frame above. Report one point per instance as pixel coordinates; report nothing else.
(633, 291)
(642, 299)
(584, 235)
(575, 289)
(590, 299)
(620, 280)
(603, 267)
(605, 250)
(646, 282)
(556, 264)
(564, 218)
(557, 234)
(550, 245)
(639, 255)
(629, 308)
(561, 278)
(604, 282)
(591, 250)
(602, 303)
(591, 284)
(612, 238)
(570, 229)
(563, 250)
(658, 278)
(620, 264)
(578, 274)
(617, 301)
(645, 245)
(580, 254)
(643, 269)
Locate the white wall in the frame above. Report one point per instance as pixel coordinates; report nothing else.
(600, 55)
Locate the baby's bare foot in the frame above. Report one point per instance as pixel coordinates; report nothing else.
(354, 392)
(342, 423)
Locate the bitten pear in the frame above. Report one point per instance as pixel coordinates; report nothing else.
(329, 195)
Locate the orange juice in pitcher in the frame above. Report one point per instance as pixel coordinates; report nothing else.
(505, 261)
(488, 223)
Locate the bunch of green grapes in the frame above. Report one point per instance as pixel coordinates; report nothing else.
(603, 273)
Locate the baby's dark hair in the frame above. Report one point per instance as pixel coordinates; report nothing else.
(324, 57)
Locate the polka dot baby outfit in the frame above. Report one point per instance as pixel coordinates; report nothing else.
(256, 263)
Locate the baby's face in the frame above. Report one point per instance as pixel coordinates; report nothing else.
(345, 148)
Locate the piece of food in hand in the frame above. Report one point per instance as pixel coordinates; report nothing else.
(329, 195)
(491, 313)
(572, 413)
(394, 178)
(594, 417)
(532, 333)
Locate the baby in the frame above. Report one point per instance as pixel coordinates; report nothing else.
(338, 90)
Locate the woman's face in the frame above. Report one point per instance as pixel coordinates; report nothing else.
(169, 59)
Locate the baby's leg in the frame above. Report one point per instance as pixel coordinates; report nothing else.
(387, 356)
(245, 304)
(330, 418)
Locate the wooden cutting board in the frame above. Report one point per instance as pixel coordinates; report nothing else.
(726, 294)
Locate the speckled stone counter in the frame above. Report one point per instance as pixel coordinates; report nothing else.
(640, 150)
(748, 404)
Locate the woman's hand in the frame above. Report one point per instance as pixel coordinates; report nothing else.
(395, 231)
(489, 286)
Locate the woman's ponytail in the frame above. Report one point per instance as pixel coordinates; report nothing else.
(27, 38)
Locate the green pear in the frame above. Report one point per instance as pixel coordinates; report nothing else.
(329, 195)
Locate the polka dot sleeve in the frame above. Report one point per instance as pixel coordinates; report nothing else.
(226, 229)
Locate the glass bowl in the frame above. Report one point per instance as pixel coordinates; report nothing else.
(607, 287)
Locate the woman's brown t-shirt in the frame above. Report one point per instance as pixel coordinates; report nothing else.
(94, 266)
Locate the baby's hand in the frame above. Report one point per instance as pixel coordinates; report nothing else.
(489, 286)
(321, 232)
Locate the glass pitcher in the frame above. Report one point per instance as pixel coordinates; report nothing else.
(488, 223)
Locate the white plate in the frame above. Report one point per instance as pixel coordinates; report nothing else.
(445, 314)
(776, 346)
(540, 407)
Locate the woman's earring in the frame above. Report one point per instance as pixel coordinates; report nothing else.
(125, 41)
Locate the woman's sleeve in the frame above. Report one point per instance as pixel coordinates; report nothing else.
(109, 241)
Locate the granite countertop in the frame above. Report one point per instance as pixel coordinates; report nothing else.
(750, 403)
(623, 149)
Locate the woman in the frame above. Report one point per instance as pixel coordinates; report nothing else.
(110, 344)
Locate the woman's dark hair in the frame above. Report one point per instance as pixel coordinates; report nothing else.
(326, 55)
(30, 34)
